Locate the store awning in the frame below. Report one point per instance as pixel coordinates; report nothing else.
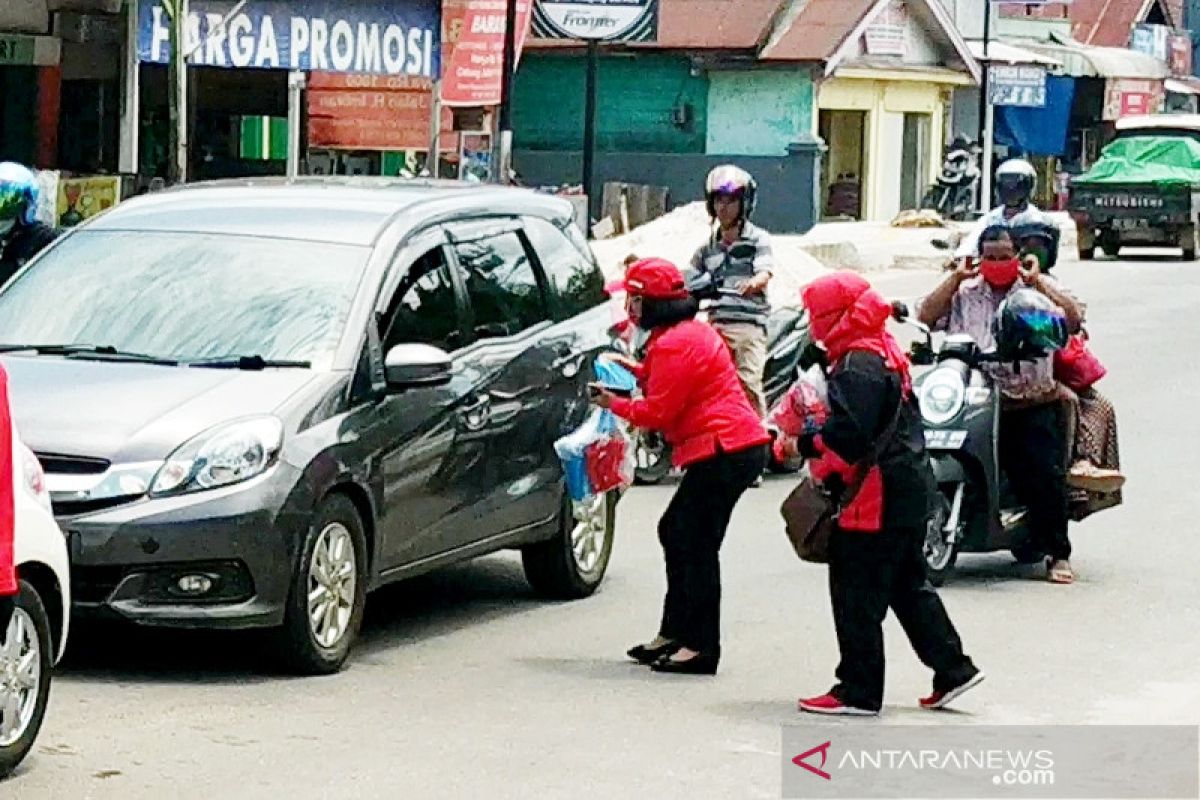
(1190, 86)
(1082, 61)
(1004, 53)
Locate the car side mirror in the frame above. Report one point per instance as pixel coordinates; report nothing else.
(413, 366)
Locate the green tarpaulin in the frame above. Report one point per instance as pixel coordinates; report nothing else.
(1158, 160)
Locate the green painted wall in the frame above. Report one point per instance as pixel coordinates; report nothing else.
(635, 96)
(759, 113)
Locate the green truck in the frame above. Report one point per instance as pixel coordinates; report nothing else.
(1145, 189)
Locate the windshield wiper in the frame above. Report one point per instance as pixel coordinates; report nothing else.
(87, 351)
(255, 363)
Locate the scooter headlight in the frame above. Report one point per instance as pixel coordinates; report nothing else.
(942, 396)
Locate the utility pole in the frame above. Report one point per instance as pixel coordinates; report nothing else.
(177, 101)
(434, 162)
(986, 112)
(502, 147)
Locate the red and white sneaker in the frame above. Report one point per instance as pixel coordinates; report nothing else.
(942, 699)
(830, 705)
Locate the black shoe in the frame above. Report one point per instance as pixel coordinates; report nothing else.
(702, 664)
(648, 655)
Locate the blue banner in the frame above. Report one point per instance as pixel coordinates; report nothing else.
(379, 37)
(1039, 131)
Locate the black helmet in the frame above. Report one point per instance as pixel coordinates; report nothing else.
(1029, 325)
(1015, 181)
(1040, 238)
(732, 181)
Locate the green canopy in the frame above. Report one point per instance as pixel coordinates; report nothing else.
(1158, 160)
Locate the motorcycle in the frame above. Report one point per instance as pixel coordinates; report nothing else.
(788, 340)
(975, 508)
(954, 194)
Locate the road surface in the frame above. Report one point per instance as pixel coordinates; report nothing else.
(466, 687)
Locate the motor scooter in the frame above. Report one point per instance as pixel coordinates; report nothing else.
(954, 193)
(975, 510)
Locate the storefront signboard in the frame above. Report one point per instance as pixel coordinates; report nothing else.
(606, 20)
(380, 37)
(1019, 86)
(373, 112)
(1125, 97)
(473, 49)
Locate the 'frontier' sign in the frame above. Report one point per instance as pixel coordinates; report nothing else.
(606, 20)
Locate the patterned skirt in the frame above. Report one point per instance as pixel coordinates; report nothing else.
(1095, 440)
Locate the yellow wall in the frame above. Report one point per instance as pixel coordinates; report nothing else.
(886, 101)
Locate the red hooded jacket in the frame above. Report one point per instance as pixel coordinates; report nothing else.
(8, 572)
(693, 396)
(849, 318)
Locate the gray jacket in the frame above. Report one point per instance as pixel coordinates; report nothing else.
(734, 265)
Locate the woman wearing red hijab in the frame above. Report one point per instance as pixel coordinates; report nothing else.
(691, 394)
(876, 561)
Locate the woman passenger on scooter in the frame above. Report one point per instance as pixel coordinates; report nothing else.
(1033, 441)
(1095, 477)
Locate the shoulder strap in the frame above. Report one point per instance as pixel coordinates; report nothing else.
(881, 443)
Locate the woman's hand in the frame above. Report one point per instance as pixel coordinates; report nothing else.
(600, 396)
(1031, 272)
(756, 285)
(622, 360)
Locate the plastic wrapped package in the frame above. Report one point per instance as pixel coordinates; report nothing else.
(804, 408)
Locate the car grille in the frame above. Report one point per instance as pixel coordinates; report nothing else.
(73, 508)
(71, 465)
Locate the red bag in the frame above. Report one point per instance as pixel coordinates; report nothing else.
(1077, 366)
(606, 464)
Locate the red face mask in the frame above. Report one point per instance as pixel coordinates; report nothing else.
(1000, 274)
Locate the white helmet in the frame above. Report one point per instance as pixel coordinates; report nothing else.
(1016, 180)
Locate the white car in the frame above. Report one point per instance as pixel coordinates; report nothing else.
(36, 636)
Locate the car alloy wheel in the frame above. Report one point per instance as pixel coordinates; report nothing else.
(20, 677)
(590, 533)
(332, 581)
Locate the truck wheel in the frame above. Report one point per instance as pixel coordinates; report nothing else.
(572, 565)
(1087, 253)
(26, 663)
(329, 590)
(1189, 244)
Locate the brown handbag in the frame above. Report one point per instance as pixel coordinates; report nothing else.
(810, 513)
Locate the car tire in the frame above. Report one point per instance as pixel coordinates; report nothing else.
(34, 629)
(572, 565)
(322, 647)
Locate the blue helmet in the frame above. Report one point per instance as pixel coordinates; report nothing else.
(19, 194)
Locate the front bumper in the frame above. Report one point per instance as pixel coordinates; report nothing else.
(234, 547)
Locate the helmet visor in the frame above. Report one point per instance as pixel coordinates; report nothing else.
(12, 203)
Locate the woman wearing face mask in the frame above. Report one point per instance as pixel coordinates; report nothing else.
(692, 395)
(876, 561)
(1033, 440)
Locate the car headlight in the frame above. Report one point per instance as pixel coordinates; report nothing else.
(35, 477)
(223, 456)
(942, 396)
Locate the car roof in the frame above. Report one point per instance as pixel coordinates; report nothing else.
(1151, 122)
(338, 210)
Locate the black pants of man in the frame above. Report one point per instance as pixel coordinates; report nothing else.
(868, 574)
(1033, 454)
(691, 532)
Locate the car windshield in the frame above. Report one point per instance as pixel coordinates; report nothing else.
(186, 296)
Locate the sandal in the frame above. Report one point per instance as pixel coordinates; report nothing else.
(1061, 573)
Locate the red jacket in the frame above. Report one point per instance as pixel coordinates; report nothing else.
(693, 396)
(8, 572)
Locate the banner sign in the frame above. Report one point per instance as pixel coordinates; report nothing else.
(381, 37)
(607, 20)
(1125, 97)
(371, 112)
(1019, 86)
(473, 49)
(1153, 40)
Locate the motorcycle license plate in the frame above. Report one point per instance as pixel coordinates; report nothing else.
(945, 440)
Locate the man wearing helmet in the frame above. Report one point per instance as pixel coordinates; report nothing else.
(22, 236)
(1016, 180)
(739, 262)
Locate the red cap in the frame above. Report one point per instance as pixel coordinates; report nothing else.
(657, 279)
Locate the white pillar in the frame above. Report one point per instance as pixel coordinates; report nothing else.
(131, 101)
(989, 138)
(296, 84)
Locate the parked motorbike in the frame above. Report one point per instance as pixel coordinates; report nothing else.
(954, 194)
(975, 510)
(788, 339)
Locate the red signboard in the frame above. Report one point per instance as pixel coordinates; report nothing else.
(373, 112)
(473, 49)
(1130, 98)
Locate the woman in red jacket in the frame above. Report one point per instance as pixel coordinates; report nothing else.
(691, 394)
(876, 558)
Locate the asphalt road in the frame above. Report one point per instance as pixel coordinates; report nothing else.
(464, 686)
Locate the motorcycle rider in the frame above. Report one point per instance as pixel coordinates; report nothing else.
(739, 260)
(958, 176)
(1016, 180)
(1033, 446)
(22, 236)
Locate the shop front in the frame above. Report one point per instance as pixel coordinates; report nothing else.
(28, 86)
(885, 132)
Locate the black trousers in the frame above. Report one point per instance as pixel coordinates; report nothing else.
(1033, 454)
(691, 532)
(868, 574)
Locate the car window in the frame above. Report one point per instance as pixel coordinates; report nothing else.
(424, 309)
(502, 285)
(575, 279)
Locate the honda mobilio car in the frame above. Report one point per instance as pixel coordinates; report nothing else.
(255, 402)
